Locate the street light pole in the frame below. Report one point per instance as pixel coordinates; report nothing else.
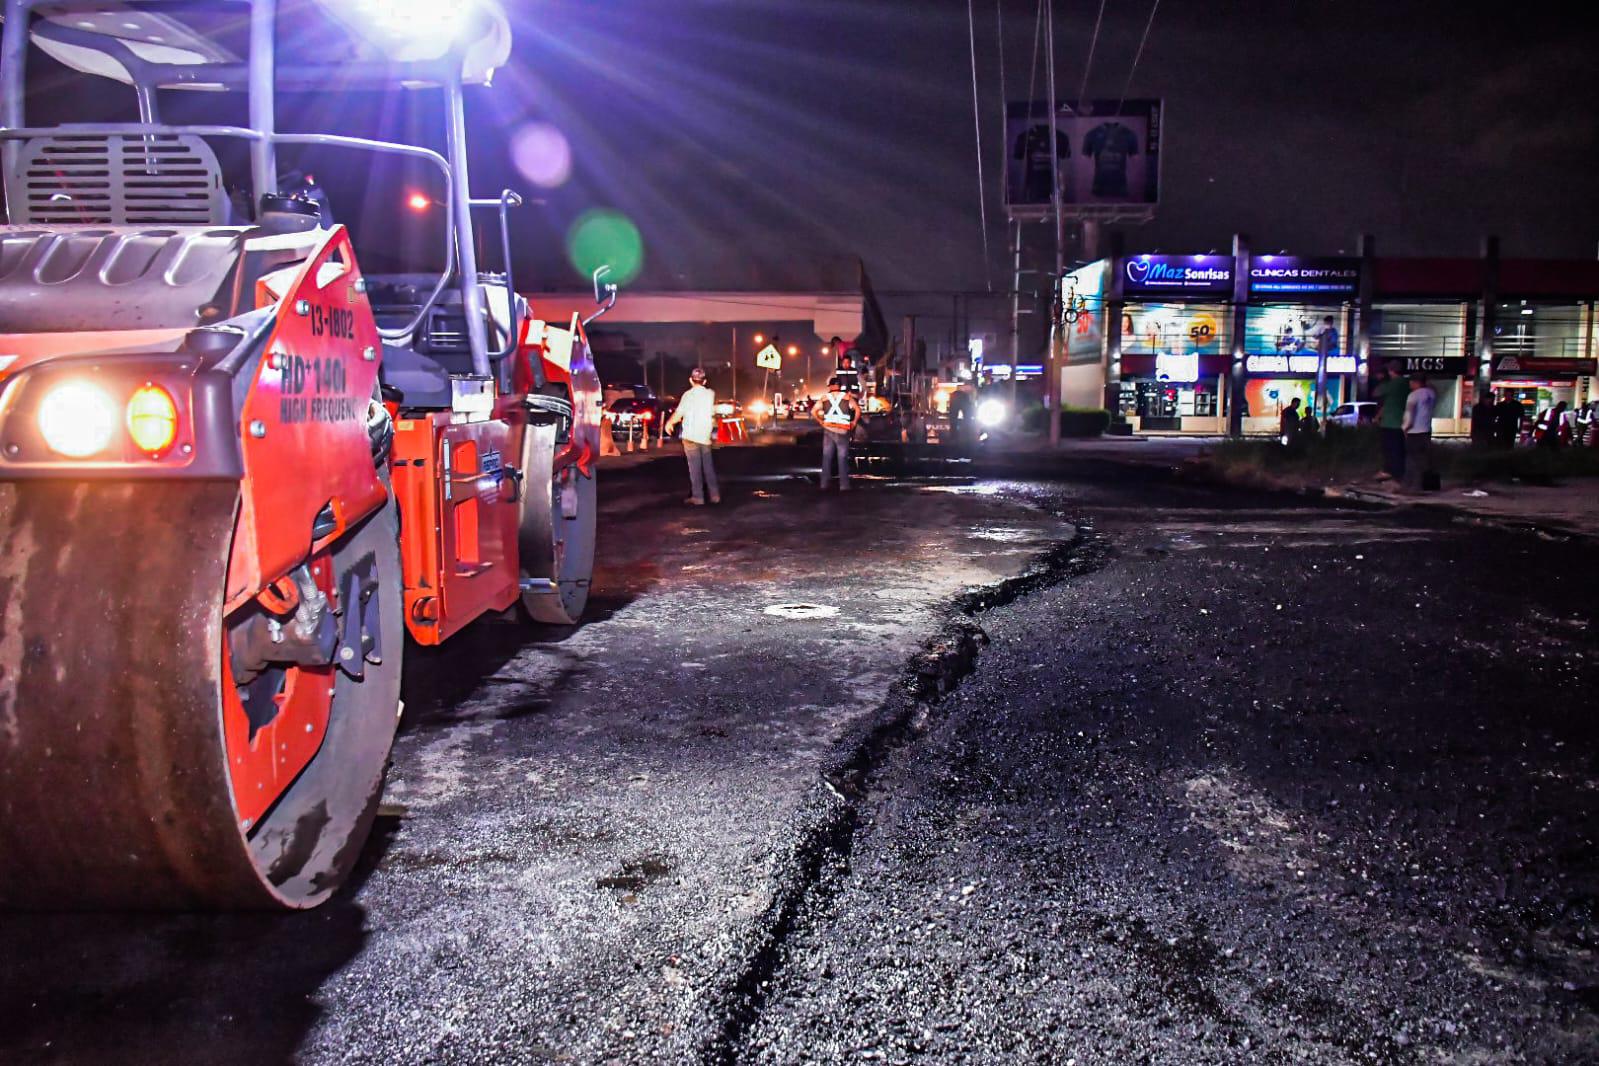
(1051, 363)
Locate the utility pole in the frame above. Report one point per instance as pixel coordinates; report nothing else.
(1015, 345)
(1239, 380)
(954, 326)
(733, 365)
(1091, 239)
(1490, 312)
(1051, 362)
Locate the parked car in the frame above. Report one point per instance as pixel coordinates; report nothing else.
(634, 416)
(614, 392)
(1350, 415)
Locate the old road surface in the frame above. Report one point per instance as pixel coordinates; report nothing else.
(1065, 762)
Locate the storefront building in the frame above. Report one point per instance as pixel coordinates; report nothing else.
(1298, 320)
(1174, 342)
(1215, 344)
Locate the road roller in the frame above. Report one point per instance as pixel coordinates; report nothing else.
(239, 474)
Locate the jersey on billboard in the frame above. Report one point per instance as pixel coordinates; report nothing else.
(1105, 152)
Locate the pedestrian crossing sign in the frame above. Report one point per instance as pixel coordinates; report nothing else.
(769, 358)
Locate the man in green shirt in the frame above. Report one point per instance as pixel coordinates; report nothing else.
(1391, 394)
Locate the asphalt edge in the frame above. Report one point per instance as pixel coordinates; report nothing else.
(1551, 530)
(829, 820)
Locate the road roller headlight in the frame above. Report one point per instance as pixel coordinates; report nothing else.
(392, 22)
(991, 413)
(152, 420)
(77, 419)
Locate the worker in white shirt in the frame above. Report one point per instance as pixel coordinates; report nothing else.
(697, 413)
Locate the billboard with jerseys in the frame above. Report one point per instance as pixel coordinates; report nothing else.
(1101, 151)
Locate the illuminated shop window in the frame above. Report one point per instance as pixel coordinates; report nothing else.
(1291, 330)
(1540, 331)
(1418, 331)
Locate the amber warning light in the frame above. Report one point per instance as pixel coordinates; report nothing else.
(152, 420)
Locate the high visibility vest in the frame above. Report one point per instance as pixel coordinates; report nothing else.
(835, 413)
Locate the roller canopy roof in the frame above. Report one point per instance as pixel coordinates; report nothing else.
(94, 36)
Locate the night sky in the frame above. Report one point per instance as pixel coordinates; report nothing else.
(762, 144)
(765, 144)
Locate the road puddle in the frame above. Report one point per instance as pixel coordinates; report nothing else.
(801, 610)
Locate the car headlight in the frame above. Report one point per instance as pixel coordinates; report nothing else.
(77, 419)
(991, 413)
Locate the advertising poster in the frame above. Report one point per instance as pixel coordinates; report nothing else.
(1289, 339)
(1267, 398)
(1172, 329)
(1082, 304)
(1105, 151)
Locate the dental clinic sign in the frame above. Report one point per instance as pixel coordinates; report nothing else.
(1178, 275)
(1291, 275)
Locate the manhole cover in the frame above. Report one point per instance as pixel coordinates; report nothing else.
(801, 610)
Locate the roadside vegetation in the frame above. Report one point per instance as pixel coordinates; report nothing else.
(1344, 455)
(1074, 421)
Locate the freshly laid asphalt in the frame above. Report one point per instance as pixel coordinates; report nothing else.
(1054, 761)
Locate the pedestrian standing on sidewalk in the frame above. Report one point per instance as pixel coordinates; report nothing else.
(1392, 395)
(697, 413)
(1507, 420)
(838, 414)
(1289, 424)
(1482, 419)
(1418, 432)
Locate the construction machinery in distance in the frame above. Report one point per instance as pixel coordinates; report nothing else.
(236, 470)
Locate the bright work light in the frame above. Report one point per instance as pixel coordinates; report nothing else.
(409, 20)
(991, 413)
(77, 419)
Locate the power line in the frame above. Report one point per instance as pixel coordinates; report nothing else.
(1004, 97)
(1128, 84)
(1093, 43)
(1032, 78)
(977, 128)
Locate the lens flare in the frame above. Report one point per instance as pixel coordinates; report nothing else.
(606, 238)
(541, 153)
(992, 413)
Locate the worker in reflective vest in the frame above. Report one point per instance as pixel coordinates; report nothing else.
(838, 414)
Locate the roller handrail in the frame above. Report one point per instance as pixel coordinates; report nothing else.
(327, 140)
